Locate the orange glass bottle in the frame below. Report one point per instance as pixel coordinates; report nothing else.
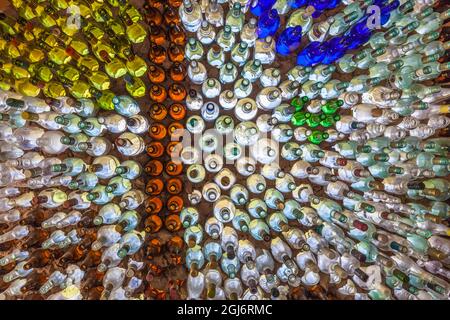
(174, 186)
(175, 204)
(152, 224)
(171, 15)
(175, 130)
(156, 74)
(154, 167)
(177, 92)
(176, 53)
(155, 149)
(92, 259)
(154, 187)
(175, 244)
(177, 111)
(175, 3)
(156, 34)
(174, 149)
(156, 4)
(157, 54)
(39, 258)
(154, 247)
(174, 169)
(177, 72)
(157, 131)
(177, 35)
(153, 205)
(152, 14)
(158, 93)
(172, 223)
(157, 111)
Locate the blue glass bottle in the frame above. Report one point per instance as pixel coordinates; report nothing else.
(299, 3)
(289, 40)
(260, 6)
(336, 48)
(322, 5)
(312, 54)
(268, 23)
(386, 11)
(358, 34)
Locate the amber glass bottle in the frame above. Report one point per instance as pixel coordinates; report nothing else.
(172, 223)
(175, 130)
(158, 93)
(177, 35)
(154, 187)
(177, 72)
(175, 204)
(156, 74)
(157, 34)
(153, 205)
(176, 53)
(157, 131)
(154, 167)
(177, 111)
(177, 92)
(157, 54)
(174, 186)
(155, 149)
(157, 111)
(152, 224)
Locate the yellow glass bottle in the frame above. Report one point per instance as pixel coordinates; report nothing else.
(136, 66)
(104, 98)
(134, 31)
(135, 86)
(115, 68)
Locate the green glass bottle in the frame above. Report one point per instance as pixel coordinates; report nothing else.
(299, 118)
(331, 107)
(299, 102)
(317, 136)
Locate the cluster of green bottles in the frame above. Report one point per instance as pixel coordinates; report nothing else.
(78, 48)
(326, 117)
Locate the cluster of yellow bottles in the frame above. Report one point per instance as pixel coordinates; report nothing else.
(78, 48)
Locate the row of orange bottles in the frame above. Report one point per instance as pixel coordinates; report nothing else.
(167, 94)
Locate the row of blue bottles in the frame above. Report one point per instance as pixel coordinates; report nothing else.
(328, 52)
